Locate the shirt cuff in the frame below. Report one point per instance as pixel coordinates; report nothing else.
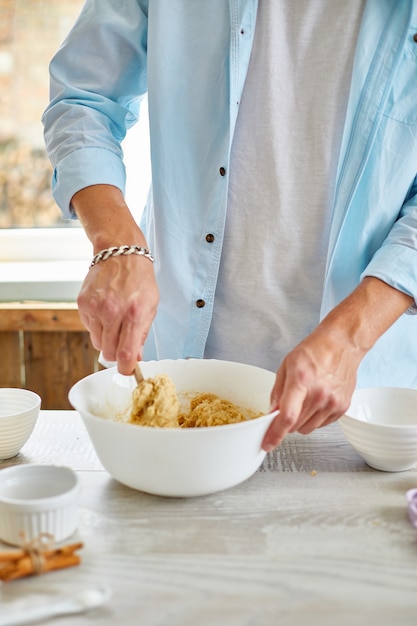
(396, 265)
(83, 168)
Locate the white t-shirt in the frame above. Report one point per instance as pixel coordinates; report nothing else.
(282, 175)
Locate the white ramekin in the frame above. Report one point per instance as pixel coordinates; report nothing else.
(36, 499)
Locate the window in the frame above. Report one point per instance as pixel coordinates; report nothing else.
(31, 228)
(30, 32)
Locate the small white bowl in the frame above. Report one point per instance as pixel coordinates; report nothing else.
(381, 424)
(37, 499)
(19, 410)
(178, 462)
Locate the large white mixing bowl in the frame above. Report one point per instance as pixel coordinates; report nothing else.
(177, 461)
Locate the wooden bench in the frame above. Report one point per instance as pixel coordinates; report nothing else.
(44, 347)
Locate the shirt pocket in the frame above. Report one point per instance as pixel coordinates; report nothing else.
(402, 99)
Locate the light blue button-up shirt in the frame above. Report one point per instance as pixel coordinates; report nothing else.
(191, 58)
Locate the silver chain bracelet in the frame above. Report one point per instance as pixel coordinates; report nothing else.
(105, 254)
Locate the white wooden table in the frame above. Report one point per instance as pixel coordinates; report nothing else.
(315, 537)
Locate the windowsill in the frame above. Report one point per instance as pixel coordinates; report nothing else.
(51, 281)
(49, 264)
(43, 264)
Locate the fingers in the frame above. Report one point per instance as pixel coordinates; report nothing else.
(121, 337)
(90, 319)
(117, 306)
(287, 420)
(297, 418)
(312, 389)
(303, 410)
(129, 348)
(318, 420)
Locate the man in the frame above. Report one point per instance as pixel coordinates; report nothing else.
(283, 212)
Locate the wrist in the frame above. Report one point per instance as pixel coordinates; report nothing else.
(114, 251)
(365, 314)
(106, 218)
(118, 238)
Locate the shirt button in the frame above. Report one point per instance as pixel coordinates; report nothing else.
(209, 238)
(200, 303)
(415, 37)
(222, 171)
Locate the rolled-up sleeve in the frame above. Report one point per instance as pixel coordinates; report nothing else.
(396, 260)
(98, 78)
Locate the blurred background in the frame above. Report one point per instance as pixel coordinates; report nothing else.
(43, 258)
(30, 32)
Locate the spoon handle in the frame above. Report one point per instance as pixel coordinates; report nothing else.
(84, 601)
(138, 374)
(38, 613)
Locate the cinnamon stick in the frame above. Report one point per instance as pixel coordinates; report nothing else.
(15, 555)
(20, 563)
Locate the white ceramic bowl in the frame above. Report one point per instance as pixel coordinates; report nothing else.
(19, 410)
(37, 499)
(174, 461)
(381, 424)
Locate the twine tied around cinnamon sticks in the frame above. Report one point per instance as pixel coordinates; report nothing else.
(36, 557)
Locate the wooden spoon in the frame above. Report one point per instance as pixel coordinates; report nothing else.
(138, 374)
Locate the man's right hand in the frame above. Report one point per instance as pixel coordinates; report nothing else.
(119, 297)
(117, 304)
